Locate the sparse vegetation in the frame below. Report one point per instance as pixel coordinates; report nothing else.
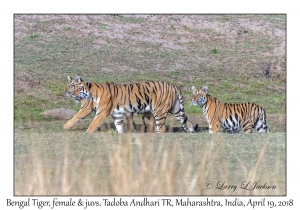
(103, 27)
(214, 51)
(68, 28)
(130, 19)
(33, 36)
(146, 164)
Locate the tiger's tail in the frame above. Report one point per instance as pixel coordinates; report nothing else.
(178, 111)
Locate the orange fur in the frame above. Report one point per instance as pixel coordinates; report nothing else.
(88, 106)
(117, 100)
(230, 117)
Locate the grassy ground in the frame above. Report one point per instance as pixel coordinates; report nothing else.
(227, 53)
(241, 58)
(147, 164)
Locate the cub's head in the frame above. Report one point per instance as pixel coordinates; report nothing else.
(199, 96)
(70, 87)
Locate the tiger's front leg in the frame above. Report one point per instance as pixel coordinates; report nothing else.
(151, 119)
(85, 110)
(99, 119)
(130, 122)
(214, 127)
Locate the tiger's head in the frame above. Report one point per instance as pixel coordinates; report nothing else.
(199, 96)
(70, 87)
(81, 90)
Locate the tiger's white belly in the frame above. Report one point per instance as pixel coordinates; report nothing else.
(232, 126)
(122, 111)
(119, 113)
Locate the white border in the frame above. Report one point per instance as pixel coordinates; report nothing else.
(137, 6)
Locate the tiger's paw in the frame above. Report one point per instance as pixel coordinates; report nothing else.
(89, 130)
(68, 125)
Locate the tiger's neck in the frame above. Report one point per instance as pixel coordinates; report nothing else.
(211, 105)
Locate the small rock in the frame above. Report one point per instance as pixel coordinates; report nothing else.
(59, 114)
(234, 34)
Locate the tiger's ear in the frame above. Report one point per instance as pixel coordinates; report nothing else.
(78, 79)
(88, 84)
(192, 88)
(69, 78)
(205, 88)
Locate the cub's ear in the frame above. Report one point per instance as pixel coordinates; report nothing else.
(69, 78)
(88, 84)
(205, 88)
(78, 79)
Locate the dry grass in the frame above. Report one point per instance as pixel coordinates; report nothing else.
(147, 164)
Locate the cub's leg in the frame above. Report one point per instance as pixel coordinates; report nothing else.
(262, 127)
(214, 127)
(247, 127)
(85, 110)
(249, 130)
(261, 124)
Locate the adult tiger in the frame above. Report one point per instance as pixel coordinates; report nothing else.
(232, 118)
(88, 106)
(118, 100)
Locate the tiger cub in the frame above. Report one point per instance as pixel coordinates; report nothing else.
(233, 118)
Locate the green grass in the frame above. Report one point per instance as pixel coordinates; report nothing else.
(33, 36)
(214, 51)
(68, 28)
(103, 27)
(232, 70)
(130, 19)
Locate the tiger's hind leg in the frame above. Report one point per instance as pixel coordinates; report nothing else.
(160, 122)
(261, 127)
(261, 124)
